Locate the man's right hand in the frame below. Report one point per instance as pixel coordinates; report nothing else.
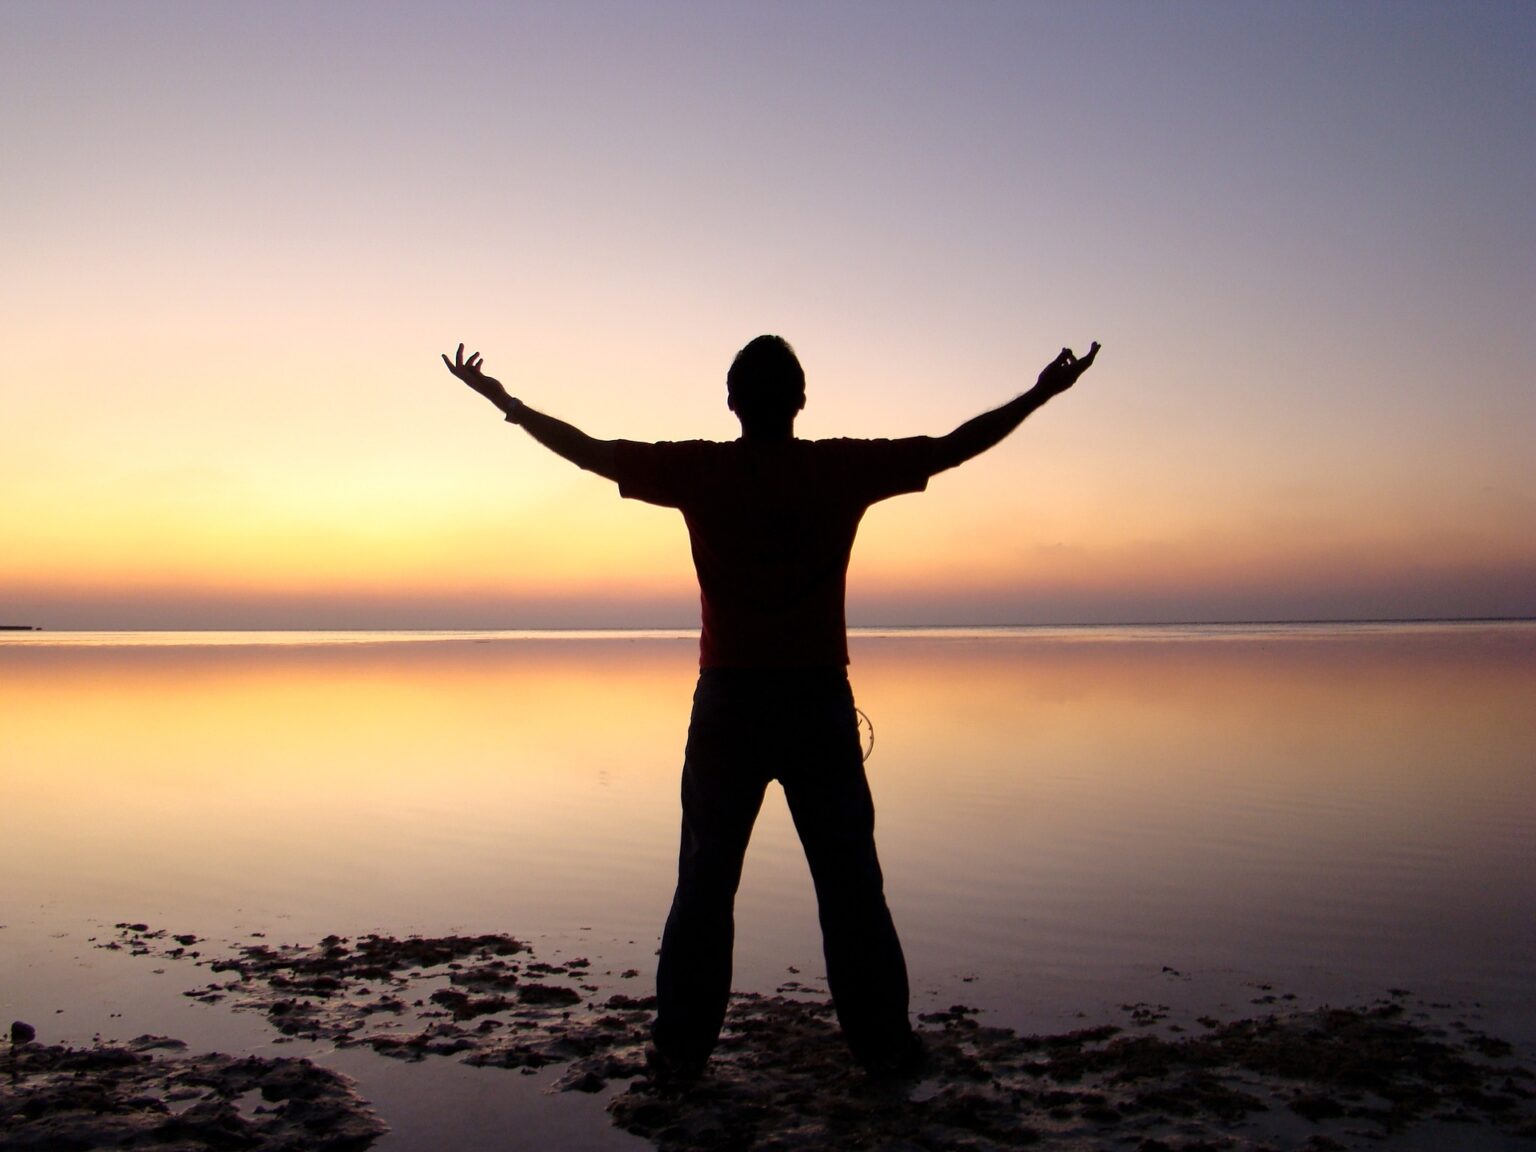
(468, 370)
(1062, 372)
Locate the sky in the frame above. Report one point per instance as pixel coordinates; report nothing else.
(234, 240)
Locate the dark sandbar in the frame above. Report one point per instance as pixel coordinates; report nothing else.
(1326, 1078)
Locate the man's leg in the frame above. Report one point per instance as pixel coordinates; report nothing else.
(829, 798)
(721, 798)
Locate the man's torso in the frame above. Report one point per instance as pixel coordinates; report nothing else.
(772, 528)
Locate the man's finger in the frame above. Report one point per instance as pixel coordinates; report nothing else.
(458, 357)
(447, 361)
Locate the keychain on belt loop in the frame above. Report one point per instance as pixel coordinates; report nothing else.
(866, 733)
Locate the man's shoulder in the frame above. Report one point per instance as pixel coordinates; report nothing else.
(875, 469)
(674, 446)
(863, 449)
(653, 452)
(666, 472)
(865, 443)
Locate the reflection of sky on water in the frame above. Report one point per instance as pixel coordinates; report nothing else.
(1335, 808)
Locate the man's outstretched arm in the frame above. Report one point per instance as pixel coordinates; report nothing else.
(559, 437)
(975, 436)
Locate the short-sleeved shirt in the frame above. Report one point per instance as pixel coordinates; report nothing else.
(772, 527)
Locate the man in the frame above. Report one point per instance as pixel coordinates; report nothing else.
(772, 520)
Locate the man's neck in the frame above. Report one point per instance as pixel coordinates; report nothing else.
(770, 434)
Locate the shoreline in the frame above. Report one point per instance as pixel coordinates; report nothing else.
(1286, 1069)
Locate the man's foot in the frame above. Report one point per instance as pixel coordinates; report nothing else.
(905, 1060)
(670, 1074)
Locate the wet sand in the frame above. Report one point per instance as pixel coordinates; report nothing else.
(1286, 1075)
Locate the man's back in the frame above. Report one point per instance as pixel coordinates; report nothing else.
(772, 521)
(772, 526)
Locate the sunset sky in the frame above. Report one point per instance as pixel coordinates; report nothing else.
(235, 239)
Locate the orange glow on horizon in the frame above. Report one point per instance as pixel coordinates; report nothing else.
(1316, 357)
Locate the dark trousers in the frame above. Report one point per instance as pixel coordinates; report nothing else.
(798, 726)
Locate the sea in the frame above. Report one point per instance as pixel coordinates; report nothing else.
(1071, 820)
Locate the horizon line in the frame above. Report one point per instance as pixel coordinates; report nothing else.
(851, 628)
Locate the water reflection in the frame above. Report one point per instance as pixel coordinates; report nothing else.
(1334, 801)
(1323, 801)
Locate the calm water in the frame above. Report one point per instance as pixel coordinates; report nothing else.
(1063, 814)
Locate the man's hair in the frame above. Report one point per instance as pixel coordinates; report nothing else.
(766, 377)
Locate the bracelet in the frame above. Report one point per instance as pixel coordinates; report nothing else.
(513, 409)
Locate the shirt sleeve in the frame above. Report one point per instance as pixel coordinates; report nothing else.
(880, 469)
(655, 473)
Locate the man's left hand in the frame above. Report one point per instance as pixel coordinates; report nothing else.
(1062, 372)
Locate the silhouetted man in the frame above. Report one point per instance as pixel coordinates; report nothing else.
(772, 520)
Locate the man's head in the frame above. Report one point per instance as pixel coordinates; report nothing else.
(766, 386)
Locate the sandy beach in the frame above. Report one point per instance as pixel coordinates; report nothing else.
(1281, 1075)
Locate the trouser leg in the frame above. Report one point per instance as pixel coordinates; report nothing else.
(721, 799)
(834, 814)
